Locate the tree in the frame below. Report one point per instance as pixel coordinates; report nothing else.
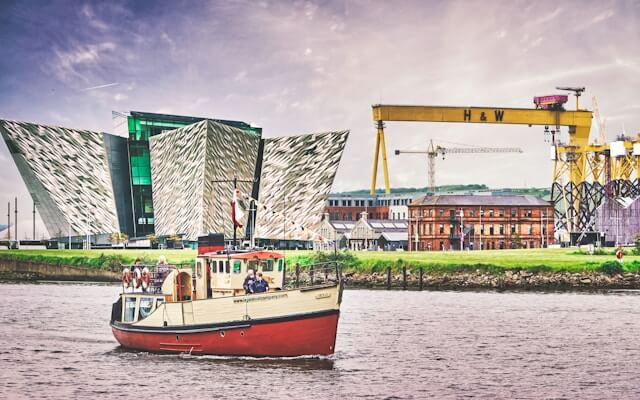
(118, 237)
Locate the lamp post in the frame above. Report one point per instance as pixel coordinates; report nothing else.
(481, 228)
(461, 230)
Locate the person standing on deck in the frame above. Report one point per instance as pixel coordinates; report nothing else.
(260, 285)
(248, 282)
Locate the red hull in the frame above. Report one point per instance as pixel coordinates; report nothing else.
(312, 335)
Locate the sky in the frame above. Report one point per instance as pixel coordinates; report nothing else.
(295, 67)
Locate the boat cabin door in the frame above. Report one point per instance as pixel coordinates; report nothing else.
(223, 274)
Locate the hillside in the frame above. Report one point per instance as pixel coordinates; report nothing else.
(538, 192)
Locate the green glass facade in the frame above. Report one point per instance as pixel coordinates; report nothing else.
(142, 126)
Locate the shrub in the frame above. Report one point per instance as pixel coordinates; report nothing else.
(611, 268)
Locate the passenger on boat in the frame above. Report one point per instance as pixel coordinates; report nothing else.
(162, 270)
(260, 285)
(248, 282)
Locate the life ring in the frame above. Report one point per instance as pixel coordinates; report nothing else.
(145, 278)
(619, 254)
(126, 277)
(136, 278)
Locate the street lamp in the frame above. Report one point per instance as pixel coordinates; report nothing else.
(481, 227)
(461, 230)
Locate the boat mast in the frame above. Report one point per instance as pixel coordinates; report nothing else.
(235, 181)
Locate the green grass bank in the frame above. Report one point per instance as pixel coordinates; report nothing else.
(553, 260)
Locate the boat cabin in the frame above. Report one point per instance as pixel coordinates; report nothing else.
(215, 274)
(222, 274)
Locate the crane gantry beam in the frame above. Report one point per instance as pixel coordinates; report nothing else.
(579, 123)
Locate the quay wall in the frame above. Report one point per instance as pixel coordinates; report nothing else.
(22, 270)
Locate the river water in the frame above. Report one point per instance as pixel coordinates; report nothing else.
(55, 342)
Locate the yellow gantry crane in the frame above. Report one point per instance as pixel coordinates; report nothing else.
(435, 150)
(570, 158)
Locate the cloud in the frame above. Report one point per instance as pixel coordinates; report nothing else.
(318, 66)
(548, 17)
(72, 63)
(101, 86)
(599, 17)
(91, 19)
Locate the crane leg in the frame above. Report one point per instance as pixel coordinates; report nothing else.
(375, 162)
(383, 149)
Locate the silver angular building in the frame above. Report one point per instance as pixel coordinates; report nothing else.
(296, 177)
(67, 174)
(191, 168)
(173, 175)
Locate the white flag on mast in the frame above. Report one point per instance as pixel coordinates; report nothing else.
(236, 212)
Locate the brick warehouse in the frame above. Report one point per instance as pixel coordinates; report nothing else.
(488, 222)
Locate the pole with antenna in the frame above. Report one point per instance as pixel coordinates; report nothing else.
(9, 222)
(15, 220)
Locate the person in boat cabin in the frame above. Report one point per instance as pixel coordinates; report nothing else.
(260, 285)
(248, 282)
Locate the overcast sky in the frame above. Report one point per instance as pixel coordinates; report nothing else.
(302, 67)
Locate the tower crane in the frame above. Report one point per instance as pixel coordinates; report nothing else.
(434, 150)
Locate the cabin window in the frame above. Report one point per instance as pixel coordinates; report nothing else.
(267, 265)
(129, 309)
(280, 265)
(220, 266)
(146, 304)
(159, 302)
(227, 267)
(237, 267)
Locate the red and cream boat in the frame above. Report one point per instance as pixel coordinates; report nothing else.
(204, 309)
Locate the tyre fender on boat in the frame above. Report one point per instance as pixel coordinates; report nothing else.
(126, 277)
(137, 278)
(145, 278)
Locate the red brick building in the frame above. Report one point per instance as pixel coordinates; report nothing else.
(488, 222)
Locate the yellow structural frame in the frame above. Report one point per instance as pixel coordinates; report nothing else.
(579, 123)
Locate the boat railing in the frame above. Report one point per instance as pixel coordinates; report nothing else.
(319, 274)
(157, 273)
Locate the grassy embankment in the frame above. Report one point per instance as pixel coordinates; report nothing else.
(559, 260)
(570, 260)
(103, 259)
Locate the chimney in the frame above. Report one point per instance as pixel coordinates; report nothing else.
(325, 216)
(363, 215)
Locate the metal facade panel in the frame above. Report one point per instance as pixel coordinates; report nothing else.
(177, 175)
(231, 152)
(67, 173)
(296, 177)
(184, 165)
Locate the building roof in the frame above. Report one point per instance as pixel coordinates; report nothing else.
(471, 200)
(386, 225)
(342, 226)
(395, 236)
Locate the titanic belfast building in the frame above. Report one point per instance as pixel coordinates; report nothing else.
(172, 175)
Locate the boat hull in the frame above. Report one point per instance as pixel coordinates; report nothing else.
(310, 334)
